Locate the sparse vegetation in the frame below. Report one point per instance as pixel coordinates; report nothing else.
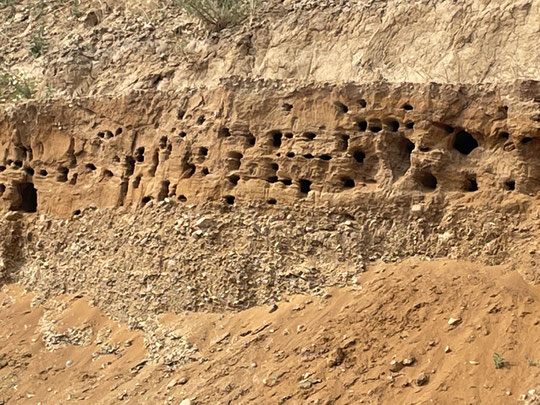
(38, 45)
(498, 360)
(75, 11)
(219, 14)
(13, 87)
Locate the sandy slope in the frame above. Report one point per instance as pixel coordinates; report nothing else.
(335, 348)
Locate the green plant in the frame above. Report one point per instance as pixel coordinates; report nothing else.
(219, 14)
(498, 360)
(13, 88)
(38, 45)
(75, 8)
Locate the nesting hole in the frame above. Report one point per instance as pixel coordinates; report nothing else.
(27, 198)
(287, 107)
(375, 126)
(276, 139)
(361, 103)
(305, 186)
(309, 136)
(62, 176)
(271, 201)
(510, 185)
(347, 182)
(233, 179)
(286, 182)
(90, 167)
(290, 154)
(362, 125)
(359, 156)
(325, 157)
(407, 107)
(392, 125)
(465, 143)
(342, 108)
(251, 139)
(224, 133)
(182, 198)
(139, 154)
(229, 199)
(427, 180)
(470, 184)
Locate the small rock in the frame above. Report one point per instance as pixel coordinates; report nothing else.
(447, 349)
(422, 379)
(274, 308)
(454, 321)
(409, 361)
(186, 402)
(204, 223)
(336, 358)
(396, 365)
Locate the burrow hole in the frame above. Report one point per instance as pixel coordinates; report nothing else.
(233, 179)
(375, 126)
(510, 185)
(26, 200)
(407, 107)
(139, 154)
(470, 183)
(276, 139)
(342, 108)
(305, 186)
(427, 180)
(347, 182)
(359, 156)
(224, 133)
(465, 143)
(62, 176)
(362, 125)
